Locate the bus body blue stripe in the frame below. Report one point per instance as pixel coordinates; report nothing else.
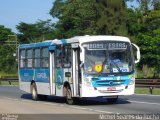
(33, 45)
(38, 75)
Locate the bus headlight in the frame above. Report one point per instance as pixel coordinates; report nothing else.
(87, 82)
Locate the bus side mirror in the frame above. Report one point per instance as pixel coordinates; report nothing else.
(138, 53)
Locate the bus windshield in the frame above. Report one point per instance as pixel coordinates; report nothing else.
(108, 57)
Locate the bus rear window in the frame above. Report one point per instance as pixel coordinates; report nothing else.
(22, 59)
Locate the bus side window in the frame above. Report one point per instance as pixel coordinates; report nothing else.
(45, 57)
(67, 57)
(59, 57)
(29, 58)
(37, 58)
(63, 57)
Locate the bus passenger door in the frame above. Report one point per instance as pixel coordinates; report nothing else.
(52, 71)
(76, 70)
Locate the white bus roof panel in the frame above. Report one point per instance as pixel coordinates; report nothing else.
(83, 39)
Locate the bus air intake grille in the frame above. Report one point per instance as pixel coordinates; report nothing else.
(109, 82)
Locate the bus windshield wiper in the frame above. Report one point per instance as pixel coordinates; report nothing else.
(119, 70)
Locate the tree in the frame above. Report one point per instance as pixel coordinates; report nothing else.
(113, 17)
(146, 31)
(7, 61)
(134, 21)
(4, 32)
(156, 4)
(149, 40)
(80, 17)
(76, 17)
(41, 30)
(152, 21)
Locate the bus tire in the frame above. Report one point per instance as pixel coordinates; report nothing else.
(112, 100)
(34, 92)
(69, 99)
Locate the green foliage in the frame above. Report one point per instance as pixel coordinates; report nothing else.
(4, 32)
(134, 21)
(150, 56)
(148, 48)
(41, 30)
(149, 40)
(7, 63)
(75, 18)
(149, 51)
(156, 4)
(152, 21)
(142, 91)
(112, 17)
(89, 17)
(149, 72)
(144, 27)
(7, 83)
(156, 91)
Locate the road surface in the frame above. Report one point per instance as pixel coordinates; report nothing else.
(15, 101)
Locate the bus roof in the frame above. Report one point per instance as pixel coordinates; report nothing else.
(76, 39)
(47, 43)
(39, 44)
(87, 38)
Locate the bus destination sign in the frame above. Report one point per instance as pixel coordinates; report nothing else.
(106, 45)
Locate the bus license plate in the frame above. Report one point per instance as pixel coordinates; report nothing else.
(111, 89)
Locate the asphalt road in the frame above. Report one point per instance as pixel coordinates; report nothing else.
(13, 99)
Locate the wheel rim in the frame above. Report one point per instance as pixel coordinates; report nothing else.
(34, 93)
(69, 97)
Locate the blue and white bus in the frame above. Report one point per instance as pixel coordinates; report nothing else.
(82, 66)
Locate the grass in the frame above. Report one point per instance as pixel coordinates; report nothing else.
(7, 83)
(155, 91)
(8, 74)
